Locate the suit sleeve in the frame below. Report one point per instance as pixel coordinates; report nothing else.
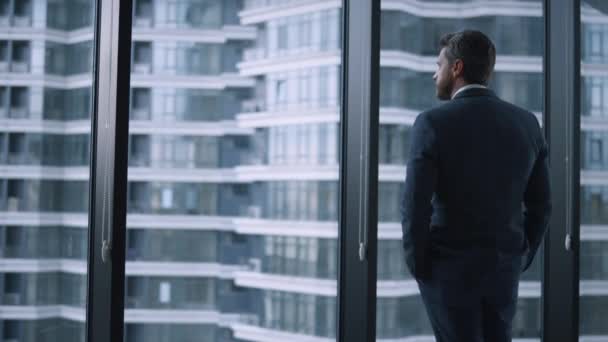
(537, 203)
(415, 204)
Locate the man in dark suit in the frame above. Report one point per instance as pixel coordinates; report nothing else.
(477, 197)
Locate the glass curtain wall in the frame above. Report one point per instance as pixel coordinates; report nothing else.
(409, 48)
(46, 66)
(593, 287)
(233, 171)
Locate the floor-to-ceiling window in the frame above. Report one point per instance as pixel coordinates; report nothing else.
(234, 161)
(593, 111)
(410, 34)
(46, 76)
(233, 171)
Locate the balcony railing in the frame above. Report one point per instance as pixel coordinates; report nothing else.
(296, 107)
(19, 251)
(3, 66)
(19, 67)
(252, 4)
(133, 302)
(140, 114)
(249, 319)
(253, 54)
(18, 113)
(254, 106)
(22, 21)
(11, 299)
(142, 68)
(139, 161)
(12, 204)
(142, 22)
(17, 159)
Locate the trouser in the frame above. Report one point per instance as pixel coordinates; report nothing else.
(472, 300)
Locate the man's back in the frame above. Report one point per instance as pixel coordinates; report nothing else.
(487, 149)
(476, 201)
(475, 207)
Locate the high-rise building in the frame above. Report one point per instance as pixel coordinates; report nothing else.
(233, 188)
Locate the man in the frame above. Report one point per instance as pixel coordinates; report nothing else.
(477, 200)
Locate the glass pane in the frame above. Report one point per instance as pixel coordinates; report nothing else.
(409, 50)
(233, 172)
(46, 73)
(593, 305)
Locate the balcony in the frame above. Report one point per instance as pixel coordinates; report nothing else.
(254, 106)
(289, 60)
(251, 211)
(19, 67)
(134, 302)
(137, 207)
(11, 299)
(139, 161)
(16, 158)
(259, 11)
(254, 54)
(22, 21)
(142, 22)
(18, 251)
(54, 113)
(142, 68)
(18, 113)
(4, 21)
(253, 4)
(283, 115)
(3, 66)
(256, 332)
(12, 204)
(140, 114)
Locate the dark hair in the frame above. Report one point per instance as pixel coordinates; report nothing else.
(476, 51)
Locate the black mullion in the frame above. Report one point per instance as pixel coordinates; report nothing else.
(109, 153)
(562, 123)
(359, 181)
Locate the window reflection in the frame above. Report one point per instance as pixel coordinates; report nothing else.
(593, 302)
(409, 48)
(46, 60)
(233, 172)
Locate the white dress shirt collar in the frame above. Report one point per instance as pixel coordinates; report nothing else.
(469, 86)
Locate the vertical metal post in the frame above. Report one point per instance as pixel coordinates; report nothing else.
(359, 171)
(110, 131)
(562, 128)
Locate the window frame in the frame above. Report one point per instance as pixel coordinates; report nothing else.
(360, 104)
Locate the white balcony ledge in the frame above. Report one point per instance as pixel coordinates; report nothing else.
(18, 312)
(264, 13)
(421, 8)
(219, 82)
(259, 334)
(328, 287)
(291, 62)
(218, 36)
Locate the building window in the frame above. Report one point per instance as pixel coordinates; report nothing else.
(143, 13)
(140, 104)
(282, 36)
(11, 330)
(12, 289)
(281, 93)
(142, 57)
(596, 150)
(19, 102)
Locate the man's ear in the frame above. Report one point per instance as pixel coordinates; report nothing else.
(457, 68)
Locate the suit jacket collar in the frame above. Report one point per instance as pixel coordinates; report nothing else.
(473, 92)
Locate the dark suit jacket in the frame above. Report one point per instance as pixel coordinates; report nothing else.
(477, 180)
